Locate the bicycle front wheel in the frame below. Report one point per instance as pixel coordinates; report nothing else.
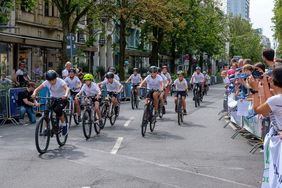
(42, 135)
(113, 117)
(62, 139)
(87, 124)
(96, 124)
(132, 100)
(145, 121)
(104, 115)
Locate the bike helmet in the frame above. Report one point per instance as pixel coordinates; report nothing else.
(135, 69)
(153, 69)
(72, 71)
(204, 72)
(112, 69)
(51, 75)
(88, 77)
(180, 73)
(110, 75)
(198, 68)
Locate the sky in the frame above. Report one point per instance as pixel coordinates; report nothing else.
(261, 14)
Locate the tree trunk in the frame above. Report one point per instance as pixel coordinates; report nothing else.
(173, 54)
(158, 35)
(122, 46)
(66, 31)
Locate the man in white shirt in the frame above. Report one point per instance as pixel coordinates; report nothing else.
(154, 86)
(65, 72)
(198, 79)
(136, 79)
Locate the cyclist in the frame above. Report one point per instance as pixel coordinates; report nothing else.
(114, 87)
(154, 86)
(65, 72)
(113, 70)
(207, 80)
(136, 79)
(167, 75)
(59, 92)
(181, 88)
(165, 83)
(91, 89)
(197, 79)
(74, 84)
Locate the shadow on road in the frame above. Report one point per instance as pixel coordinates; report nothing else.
(161, 135)
(190, 124)
(65, 152)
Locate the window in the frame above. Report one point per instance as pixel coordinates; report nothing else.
(46, 8)
(53, 10)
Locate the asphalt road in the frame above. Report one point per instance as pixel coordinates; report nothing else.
(200, 153)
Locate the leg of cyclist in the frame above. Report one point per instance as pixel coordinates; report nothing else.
(184, 105)
(77, 108)
(156, 96)
(175, 102)
(58, 109)
(98, 112)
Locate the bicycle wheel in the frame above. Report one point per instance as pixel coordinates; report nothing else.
(145, 120)
(113, 117)
(87, 124)
(104, 114)
(132, 100)
(96, 124)
(75, 119)
(42, 135)
(70, 112)
(62, 139)
(136, 102)
(161, 110)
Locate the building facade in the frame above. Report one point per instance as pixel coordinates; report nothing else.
(239, 8)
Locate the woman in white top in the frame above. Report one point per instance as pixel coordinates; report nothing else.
(181, 88)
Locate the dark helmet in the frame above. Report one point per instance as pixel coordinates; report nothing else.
(112, 69)
(153, 69)
(72, 71)
(110, 75)
(51, 75)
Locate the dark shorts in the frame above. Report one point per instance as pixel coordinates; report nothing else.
(113, 94)
(181, 93)
(73, 94)
(135, 85)
(58, 105)
(150, 93)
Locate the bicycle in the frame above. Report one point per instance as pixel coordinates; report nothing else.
(134, 97)
(161, 109)
(148, 116)
(89, 117)
(48, 126)
(71, 110)
(179, 108)
(108, 112)
(197, 95)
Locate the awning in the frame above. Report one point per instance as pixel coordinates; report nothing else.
(32, 41)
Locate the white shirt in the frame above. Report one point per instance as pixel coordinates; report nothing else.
(167, 75)
(275, 104)
(20, 72)
(135, 79)
(116, 77)
(112, 87)
(180, 85)
(90, 91)
(226, 80)
(154, 83)
(65, 73)
(56, 90)
(73, 84)
(198, 78)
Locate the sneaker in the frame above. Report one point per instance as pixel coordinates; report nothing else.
(64, 128)
(184, 112)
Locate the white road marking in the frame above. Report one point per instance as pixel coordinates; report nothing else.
(128, 121)
(86, 187)
(1, 136)
(84, 162)
(117, 145)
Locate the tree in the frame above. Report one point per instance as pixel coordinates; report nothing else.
(71, 12)
(244, 41)
(277, 20)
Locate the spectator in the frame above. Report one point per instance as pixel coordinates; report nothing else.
(65, 72)
(247, 62)
(248, 69)
(27, 104)
(241, 63)
(260, 67)
(268, 57)
(22, 77)
(4, 80)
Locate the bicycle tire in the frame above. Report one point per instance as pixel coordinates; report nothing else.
(136, 102)
(87, 124)
(161, 111)
(179, 111)
(132, 100)
(113, 117)
(144, 121)
(153, 119)
(38, 134)
(97, 128)
(104, 115)
(75, 119)
(70, 112)
(62, 139)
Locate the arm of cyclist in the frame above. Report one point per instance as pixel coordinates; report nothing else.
(128, 79)
(36, 91)
(67, 90)
(143, 82)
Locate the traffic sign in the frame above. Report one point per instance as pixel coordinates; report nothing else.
(71, 46)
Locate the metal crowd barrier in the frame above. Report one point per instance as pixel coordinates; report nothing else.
(3, 107)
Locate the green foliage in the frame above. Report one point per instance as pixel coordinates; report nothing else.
(28, 5)
(244, 41)
(277, 20)
(6, 7)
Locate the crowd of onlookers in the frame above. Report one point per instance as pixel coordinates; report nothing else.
(261, 83)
